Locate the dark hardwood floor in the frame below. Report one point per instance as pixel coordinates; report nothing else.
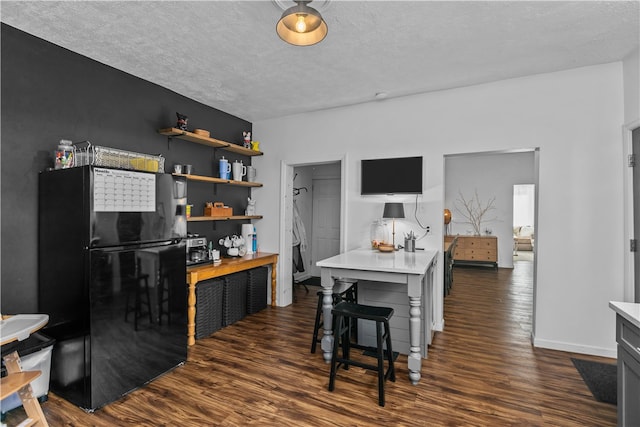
(481, 371)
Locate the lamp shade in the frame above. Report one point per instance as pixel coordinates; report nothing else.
(302, 25)
(393, 210)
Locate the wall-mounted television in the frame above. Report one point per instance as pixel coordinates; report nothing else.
(400, 175)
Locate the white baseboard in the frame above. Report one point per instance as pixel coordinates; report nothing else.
(299, 277)
(576, 348)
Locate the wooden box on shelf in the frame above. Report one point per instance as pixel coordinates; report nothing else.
(218, 209)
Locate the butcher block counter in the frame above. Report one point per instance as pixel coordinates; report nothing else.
(230, 265)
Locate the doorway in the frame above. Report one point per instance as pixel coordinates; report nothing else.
(314, 190)
(316, 211)
(635, 147)
(631, 220)
(494, 175)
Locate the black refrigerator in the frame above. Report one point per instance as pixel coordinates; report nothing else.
(112, 278)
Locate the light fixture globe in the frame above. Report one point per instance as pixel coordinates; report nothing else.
(447, 216)
(302, 25)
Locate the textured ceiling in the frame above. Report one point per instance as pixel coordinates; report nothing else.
(226, 54)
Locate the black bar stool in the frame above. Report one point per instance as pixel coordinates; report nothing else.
(381, 316)
(350, 294)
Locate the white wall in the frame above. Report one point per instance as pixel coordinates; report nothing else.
(574, 117)
(492, 175)
(631, 67)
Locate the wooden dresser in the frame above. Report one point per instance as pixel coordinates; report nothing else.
(475, 250)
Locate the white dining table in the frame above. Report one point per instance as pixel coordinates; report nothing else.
(410, 268)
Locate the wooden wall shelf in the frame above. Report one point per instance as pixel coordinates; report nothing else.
(211, 142)
(222, 218)
(213, 180)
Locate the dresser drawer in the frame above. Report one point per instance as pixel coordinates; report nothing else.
(478, 243)
(628, 336)
(480, 255)
(459, 253)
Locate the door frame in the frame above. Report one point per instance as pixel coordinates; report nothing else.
(629, 232)
(536, 182)
(284, 294)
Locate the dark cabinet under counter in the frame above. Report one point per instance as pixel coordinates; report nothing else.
(628, 339)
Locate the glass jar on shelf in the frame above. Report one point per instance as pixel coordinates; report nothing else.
(64, 155)
(379, 233)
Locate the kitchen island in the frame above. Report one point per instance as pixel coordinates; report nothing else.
(229, 265)
(415, 269)
(628, 338)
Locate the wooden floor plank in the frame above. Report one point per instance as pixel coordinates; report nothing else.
(482, 370)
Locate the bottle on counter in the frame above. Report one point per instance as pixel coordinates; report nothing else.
(255, 241)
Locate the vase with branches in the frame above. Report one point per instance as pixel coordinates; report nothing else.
(474, 211)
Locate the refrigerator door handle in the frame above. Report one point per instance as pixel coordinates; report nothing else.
(135, 246)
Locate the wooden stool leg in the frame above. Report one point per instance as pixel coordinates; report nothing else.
(316, 328)
(392, 368)
(29, 402)
(32, 406)
(337, 319)
(380, 355)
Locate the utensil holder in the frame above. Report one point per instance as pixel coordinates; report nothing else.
(409, 245)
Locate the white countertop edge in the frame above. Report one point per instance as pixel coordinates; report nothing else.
(628, 310)
(365, 259)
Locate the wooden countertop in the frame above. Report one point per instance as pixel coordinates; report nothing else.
(229, 265)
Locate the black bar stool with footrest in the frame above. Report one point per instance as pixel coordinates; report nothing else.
(350, 294)
(381, 316)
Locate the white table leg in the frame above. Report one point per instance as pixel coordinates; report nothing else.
(327, 304)
(414, 359)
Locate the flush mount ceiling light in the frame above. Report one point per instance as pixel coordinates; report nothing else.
(302, 25)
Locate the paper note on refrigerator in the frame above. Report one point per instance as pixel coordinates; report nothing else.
(123, 191)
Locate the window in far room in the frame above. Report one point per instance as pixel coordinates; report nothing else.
(523, 217)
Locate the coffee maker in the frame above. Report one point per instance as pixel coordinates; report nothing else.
(197, 250)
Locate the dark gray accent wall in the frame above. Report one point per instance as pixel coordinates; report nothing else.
(50, 93)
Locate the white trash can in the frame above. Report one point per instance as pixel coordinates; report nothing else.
(35, 355)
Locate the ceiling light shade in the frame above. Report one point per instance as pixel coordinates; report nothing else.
(302, 25)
